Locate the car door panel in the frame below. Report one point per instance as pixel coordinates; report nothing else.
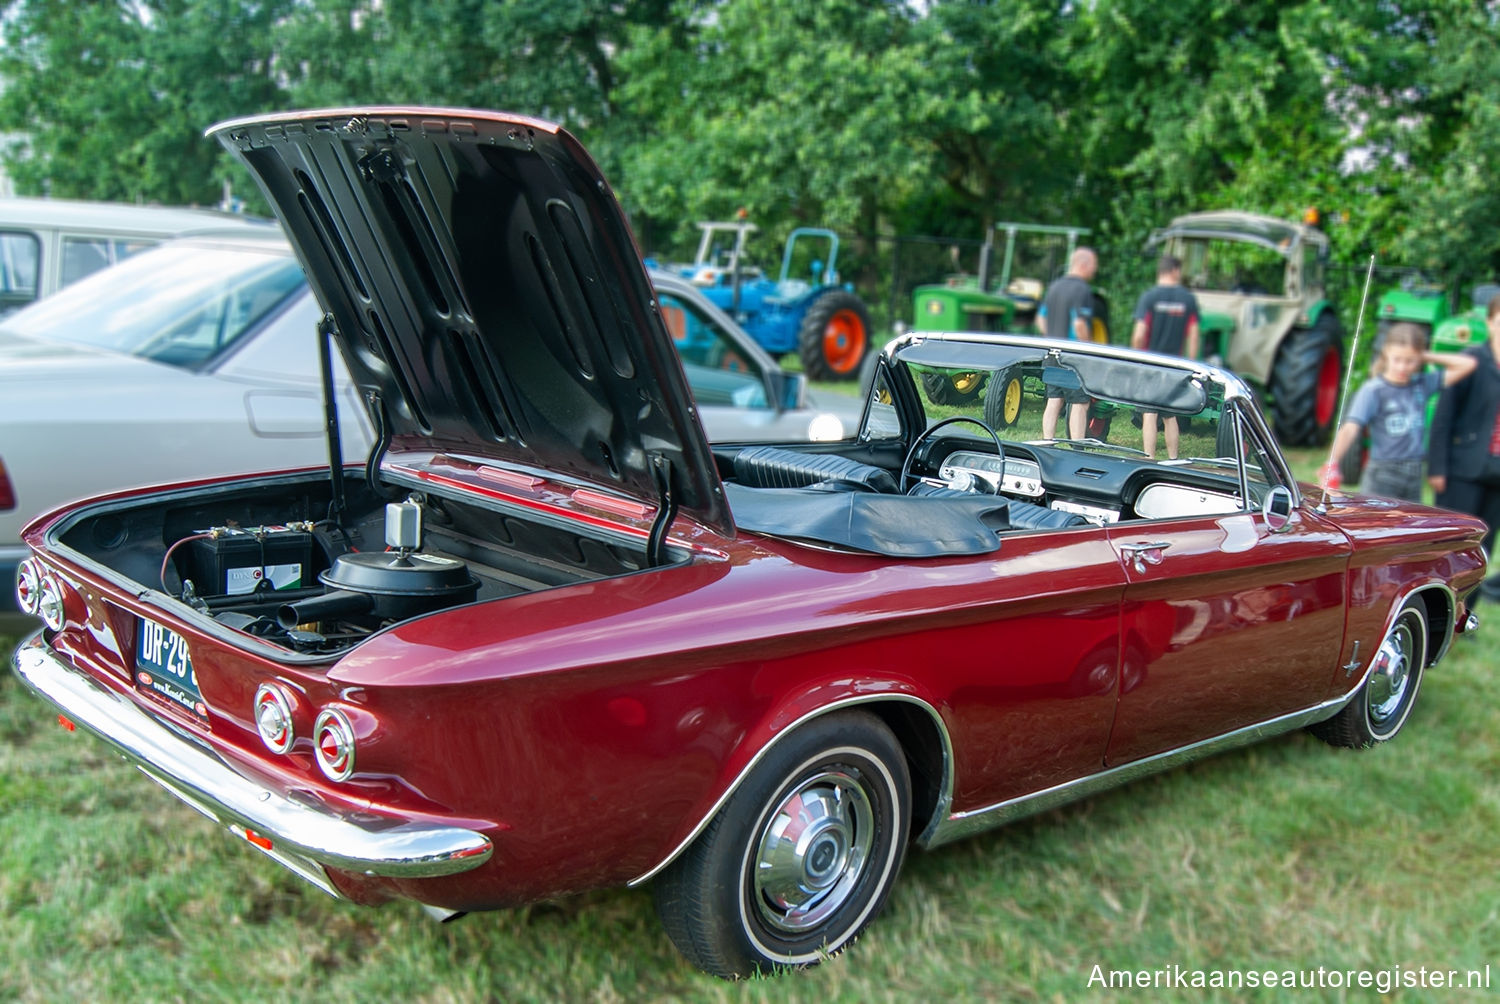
(1224, 623)
(1033, 672)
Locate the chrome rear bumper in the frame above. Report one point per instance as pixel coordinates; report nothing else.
(302, 835)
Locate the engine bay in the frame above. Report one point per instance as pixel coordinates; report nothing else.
(270, 562)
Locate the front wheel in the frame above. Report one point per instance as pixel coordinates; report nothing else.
(1382, 705)
(834, 336)
(800, 858)
(1305, 382)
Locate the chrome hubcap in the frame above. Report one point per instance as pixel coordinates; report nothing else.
(1392, 675)
(813, 850)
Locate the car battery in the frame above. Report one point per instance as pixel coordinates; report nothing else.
(231, 561)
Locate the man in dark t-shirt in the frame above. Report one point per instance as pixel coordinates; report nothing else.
(1067, 311)
(1166, 320)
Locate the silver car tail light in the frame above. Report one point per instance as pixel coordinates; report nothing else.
(333, 744)
(29, 586)
(273, 718)
(51, 604)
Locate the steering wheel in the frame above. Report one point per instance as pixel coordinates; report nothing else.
(927, 434)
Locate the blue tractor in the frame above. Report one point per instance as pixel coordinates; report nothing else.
(823, 322)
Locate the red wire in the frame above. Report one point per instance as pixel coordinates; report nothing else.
(168, 557)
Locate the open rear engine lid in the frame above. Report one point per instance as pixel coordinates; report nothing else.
(488, 293)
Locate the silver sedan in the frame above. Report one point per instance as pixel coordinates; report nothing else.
(199, 358)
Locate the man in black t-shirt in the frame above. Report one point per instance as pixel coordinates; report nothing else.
(1068, 312)
(1166, 320)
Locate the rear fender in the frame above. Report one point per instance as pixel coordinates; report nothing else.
(915, 721)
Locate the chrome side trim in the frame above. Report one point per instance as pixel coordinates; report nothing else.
(307, 833)
(965, 824)
(940, 811)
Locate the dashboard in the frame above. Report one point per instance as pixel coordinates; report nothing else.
(1101, 489)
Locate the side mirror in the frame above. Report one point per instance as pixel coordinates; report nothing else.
(793, 391)
(1277, 508)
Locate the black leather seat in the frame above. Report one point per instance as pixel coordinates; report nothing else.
(1030, 516)
(775, 467)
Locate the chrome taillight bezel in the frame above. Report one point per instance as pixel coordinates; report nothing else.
(273, 714)
(52, 606)
(333, 744)
(29, 586)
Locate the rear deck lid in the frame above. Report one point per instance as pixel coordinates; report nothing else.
(487, 291)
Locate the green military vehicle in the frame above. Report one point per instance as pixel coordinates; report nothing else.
(1264, 312)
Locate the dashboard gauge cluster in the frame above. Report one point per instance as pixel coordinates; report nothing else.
(1012, 476)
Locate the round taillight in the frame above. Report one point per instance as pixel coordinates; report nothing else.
(273, 718)
(28, 587)
(333, 745)
(50, 604)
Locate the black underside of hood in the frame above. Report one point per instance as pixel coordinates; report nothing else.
(487, 292)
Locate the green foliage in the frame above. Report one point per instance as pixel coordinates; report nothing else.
(1455, 218)
(795, 112)
(113, 97)
(874, 118)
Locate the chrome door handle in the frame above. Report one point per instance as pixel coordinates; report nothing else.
(1145, 553)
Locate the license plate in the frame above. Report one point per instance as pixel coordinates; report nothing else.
(163, 666)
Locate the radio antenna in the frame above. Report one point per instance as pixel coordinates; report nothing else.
(1348, 374)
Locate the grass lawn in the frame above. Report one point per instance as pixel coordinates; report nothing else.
(1287, 855)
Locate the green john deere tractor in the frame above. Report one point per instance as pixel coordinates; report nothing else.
(1430, 307)
(985, 302)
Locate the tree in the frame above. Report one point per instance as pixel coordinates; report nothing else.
(112, 98)
(1454, 226)
(797, 112)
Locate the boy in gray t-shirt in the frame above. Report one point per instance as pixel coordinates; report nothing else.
(1392, 407)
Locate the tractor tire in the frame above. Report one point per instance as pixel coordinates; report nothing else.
(1002, 402)
(1099, 330)
(952, 388)
(1352, 465)
(834, 337)
(1305, 382)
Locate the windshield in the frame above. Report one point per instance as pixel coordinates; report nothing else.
(1236, 266)
(180, 304)
(1084, 403)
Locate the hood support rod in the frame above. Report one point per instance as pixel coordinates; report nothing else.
(666, 511)
(336, 505)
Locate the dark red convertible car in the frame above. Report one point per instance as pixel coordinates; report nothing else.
(548, 640)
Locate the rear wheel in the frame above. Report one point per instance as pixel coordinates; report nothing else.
(1352, 465)
(1305, 382)
(1382, 705)
(834, 336)
(1224, 441)
(952, 388)
(1002, 402)
(800, 858)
